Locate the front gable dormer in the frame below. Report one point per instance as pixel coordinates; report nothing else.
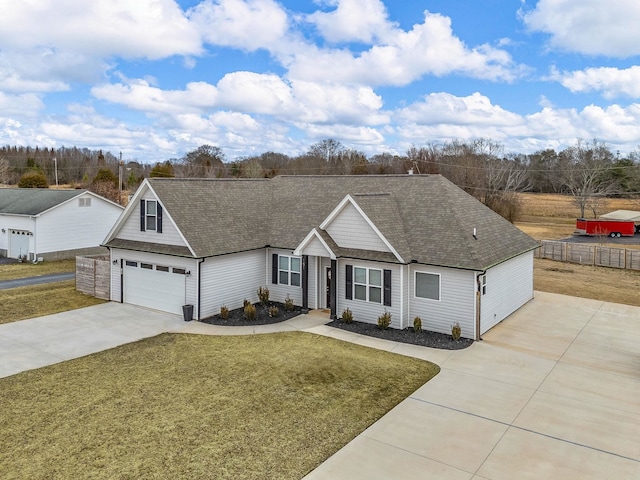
(146, 220)
(350, 227)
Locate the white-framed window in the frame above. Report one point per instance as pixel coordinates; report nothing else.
(427, 285)
(151, 215)
(483, 284)
(84, 202)
(367, 284)
(289, 270)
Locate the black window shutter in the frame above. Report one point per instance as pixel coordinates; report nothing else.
(387, 288)
(274, 268)
(159, 221)
(142, 213)
(349, 282)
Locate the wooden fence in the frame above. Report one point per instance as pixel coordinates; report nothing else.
(589, 254)
(93, 276)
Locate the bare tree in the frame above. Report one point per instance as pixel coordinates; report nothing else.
(5, 171)
(204, 162)
(327, 149)
(584, 175)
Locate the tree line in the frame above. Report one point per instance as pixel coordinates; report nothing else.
(588, 171)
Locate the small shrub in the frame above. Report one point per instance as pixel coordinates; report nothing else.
(347, 316)
(33, 179)
(417, 324)
(288, 304)
(274, 311)
(456, 331)
(246, 302)
(263, 295)
(224, 312)
(250, 312)
(384, 320)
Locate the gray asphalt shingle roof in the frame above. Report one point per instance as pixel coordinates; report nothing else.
(426, 218)
(33, 201)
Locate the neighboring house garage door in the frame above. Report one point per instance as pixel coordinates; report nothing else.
(18, 243)
(154, 286)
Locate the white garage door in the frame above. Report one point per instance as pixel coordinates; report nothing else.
(18, 243)
(154, 286)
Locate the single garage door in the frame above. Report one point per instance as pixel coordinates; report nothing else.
(154, 286)
(18, 243)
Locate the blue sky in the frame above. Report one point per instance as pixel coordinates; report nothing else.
(154, 79)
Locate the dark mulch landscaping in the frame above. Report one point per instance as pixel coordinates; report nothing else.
(424, 338)
(237, 319)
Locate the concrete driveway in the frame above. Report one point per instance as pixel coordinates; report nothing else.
(42, 341)
(553, 392)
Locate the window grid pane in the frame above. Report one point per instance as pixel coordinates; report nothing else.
(295, 264)
(284, 277)
(375, 294)
(360, 275)
(375, 277)
(360, 292)
(151, 207)
(295, 279)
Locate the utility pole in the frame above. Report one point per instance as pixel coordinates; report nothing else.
(55, 162)
(120, 164)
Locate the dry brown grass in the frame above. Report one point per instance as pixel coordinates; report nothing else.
(37, 300)
(28, 269)
(599, 283)
(199, 407)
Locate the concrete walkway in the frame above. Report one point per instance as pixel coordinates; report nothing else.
(553, 392)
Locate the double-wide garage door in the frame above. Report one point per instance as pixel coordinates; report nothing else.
(154, 286)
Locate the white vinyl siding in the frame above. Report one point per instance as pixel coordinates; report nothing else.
(70, 226)
(350, 230)
(456, 304)
(279, 292)
(509, 286)
(369, 312)
(229, 279)
(131, 228)
(190, 287)
(315, 247)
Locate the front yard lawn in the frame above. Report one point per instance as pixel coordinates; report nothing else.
(196, 406)
(37, 300)
(22, 270)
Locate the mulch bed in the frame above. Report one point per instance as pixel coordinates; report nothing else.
(237, 319)
(424, 338)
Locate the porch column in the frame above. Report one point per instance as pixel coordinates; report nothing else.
(305, 281)
(333, 291)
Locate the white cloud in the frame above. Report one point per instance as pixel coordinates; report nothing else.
(144, 28)
(353, 20)
(405, 56)
(450, 110)
(591, 27)
(24, 105)
(243, 24)
(610, 82)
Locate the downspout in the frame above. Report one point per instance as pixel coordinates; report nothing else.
(478, 303)
(305, 282)
(199, 294)
(35, 239)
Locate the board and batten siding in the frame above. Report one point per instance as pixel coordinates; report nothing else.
(368, 312)
(71, 226)
(230, 279)
(509, 286)
(456, 304)
(279, 292)
(350, 230)
(131, 228)
(188, 264)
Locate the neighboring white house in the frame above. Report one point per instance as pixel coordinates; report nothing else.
(53, 224)
(412, 245)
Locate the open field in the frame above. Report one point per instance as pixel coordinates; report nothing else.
(37, 300)
(21, 270)
(197, 406)
(547, 216)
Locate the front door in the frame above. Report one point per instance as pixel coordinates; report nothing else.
(328, 286)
